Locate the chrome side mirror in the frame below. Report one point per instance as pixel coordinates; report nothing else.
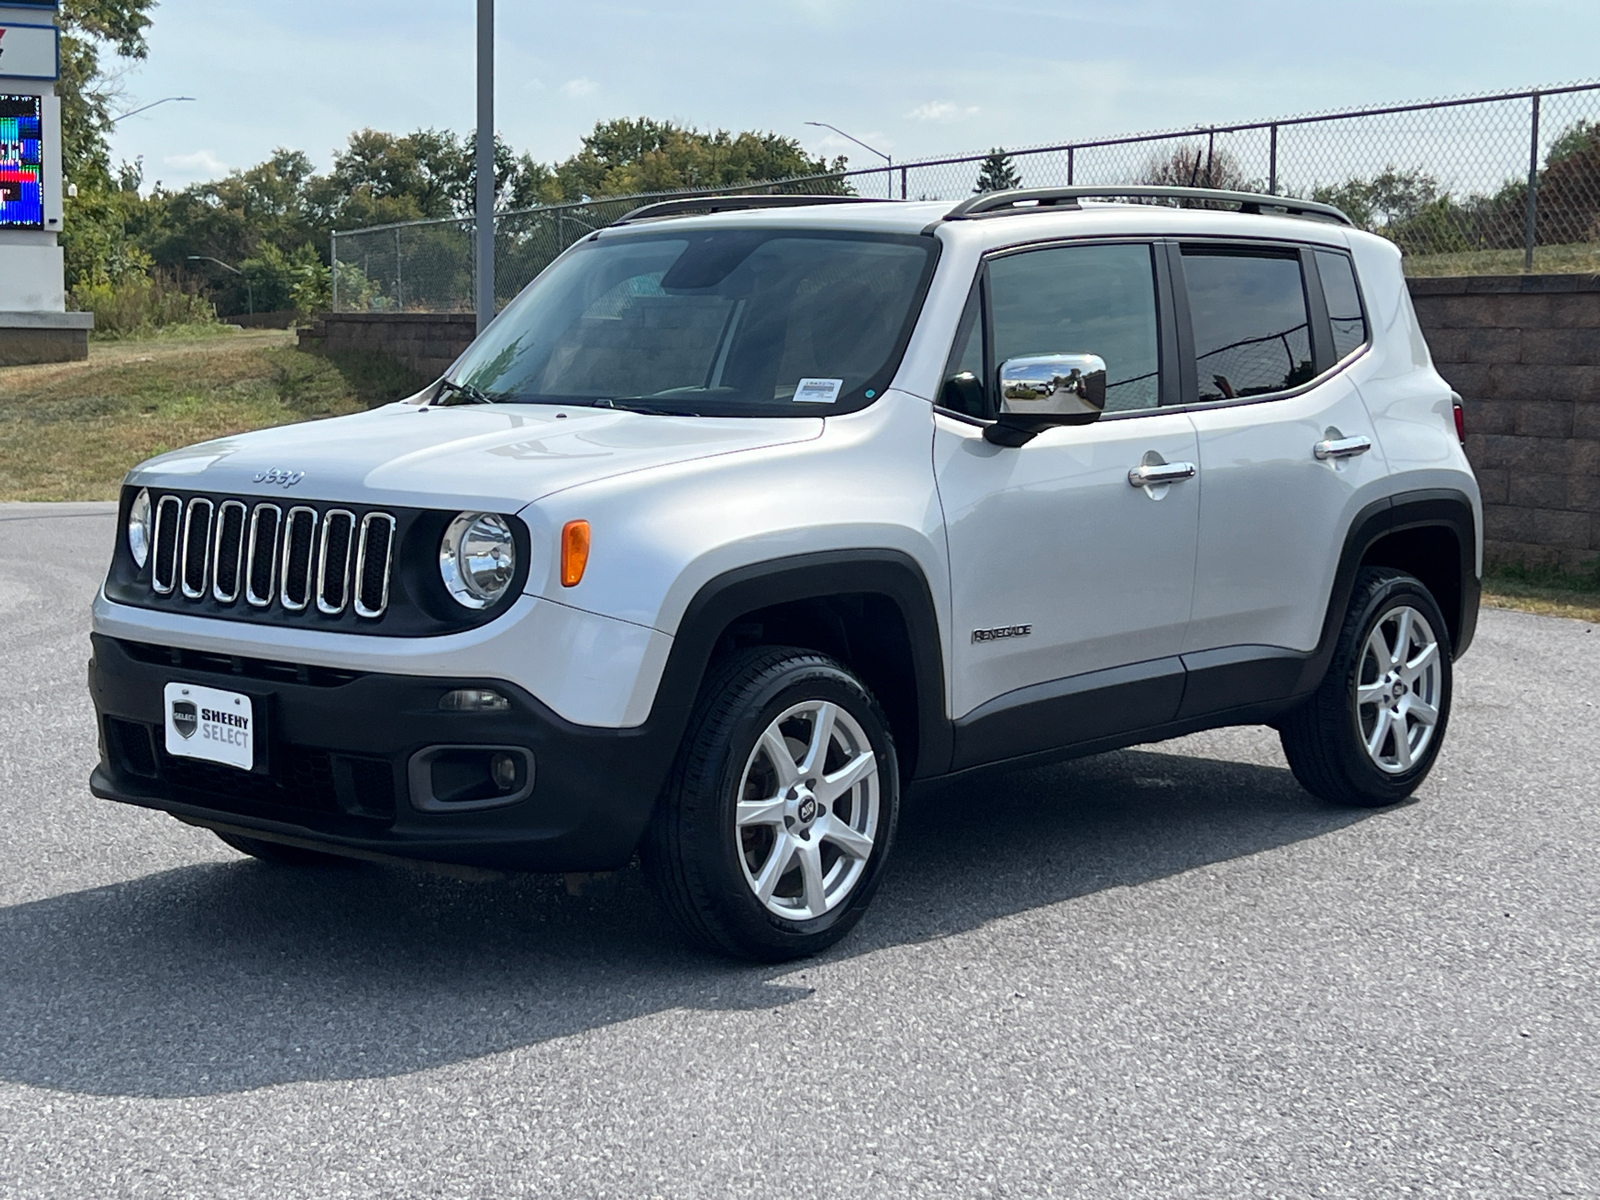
(1044, 390)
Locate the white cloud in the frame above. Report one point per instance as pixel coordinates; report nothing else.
(576, 89)
(201, 162)
(941, 111)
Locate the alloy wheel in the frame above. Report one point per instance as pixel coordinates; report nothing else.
(807, 812)
(1398, 688)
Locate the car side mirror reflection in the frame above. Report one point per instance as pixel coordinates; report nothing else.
(1041, 391)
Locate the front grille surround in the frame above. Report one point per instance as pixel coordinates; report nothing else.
(299, 551)
(373, 568)
(228, 552)
(305, 563)
(164, 545)
(266, 521)
(333, 561)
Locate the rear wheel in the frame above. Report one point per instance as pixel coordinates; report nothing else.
(772, 833)
(278, 852)
(1371, 732)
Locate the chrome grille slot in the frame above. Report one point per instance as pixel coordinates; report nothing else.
(372, 564)
(228, 554)
(261, 568)
(197, 547)
(333, 562)
(164, 551)
(272, 561)
(299, 546)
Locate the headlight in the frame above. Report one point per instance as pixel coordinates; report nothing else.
(139, 528)
(477, 559)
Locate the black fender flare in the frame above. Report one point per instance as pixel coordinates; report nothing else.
(1446, 508)
(721, 601)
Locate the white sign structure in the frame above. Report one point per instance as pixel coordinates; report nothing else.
(34, 324)
(29, 51)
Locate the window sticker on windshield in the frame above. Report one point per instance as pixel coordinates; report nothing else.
(818, 391)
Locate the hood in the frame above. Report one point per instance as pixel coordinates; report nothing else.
(498, 457)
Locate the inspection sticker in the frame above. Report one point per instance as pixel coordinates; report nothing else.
(210, 724)
(818, 391)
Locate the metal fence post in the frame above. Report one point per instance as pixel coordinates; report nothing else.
(902, 183)
(399, 286)
(484, 289)
(1272, 167)
(1070, 165)
(333, 254)
(1532, 236)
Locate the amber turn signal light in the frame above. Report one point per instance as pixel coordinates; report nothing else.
(574, 552)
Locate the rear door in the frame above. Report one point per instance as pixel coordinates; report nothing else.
(1287, 450)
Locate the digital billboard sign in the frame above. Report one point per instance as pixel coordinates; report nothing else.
(21, 162)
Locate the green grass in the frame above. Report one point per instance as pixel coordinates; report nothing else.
(70, 431)
(1546, 591)
(1577, 259)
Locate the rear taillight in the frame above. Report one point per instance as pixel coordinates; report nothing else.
(1461, 420)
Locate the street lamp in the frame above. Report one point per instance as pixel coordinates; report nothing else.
(148, 107)
(888, 175)
(249, 288)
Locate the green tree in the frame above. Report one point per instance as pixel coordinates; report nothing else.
(89, 29)
(632, 155)
(998, 173)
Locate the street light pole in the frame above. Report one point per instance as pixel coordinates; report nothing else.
(485, 197)
(248, 286)
(148, 107)
(888, 175)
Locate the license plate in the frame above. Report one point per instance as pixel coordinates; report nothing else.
(210, 724)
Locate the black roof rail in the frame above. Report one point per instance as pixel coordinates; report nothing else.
(1025, 200)
(724, 203)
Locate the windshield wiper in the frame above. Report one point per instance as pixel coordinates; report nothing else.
(466, 391)
(626, 406)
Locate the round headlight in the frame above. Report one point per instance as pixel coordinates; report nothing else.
(139, 528)
(477, 559)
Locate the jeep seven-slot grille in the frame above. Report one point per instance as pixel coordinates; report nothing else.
(300, 559)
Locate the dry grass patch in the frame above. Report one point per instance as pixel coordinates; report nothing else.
(71, 431)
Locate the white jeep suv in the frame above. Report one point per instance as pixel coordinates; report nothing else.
(748, 513)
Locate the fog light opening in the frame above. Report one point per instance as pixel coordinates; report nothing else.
(503, 770)
(474, 700)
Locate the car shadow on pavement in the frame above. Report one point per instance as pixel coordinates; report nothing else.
(226, 977)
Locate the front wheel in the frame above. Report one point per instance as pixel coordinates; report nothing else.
(1370, 733)
(774, 828)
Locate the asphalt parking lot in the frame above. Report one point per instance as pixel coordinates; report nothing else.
(1165, 972)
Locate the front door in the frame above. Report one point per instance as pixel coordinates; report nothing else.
(1060, 567)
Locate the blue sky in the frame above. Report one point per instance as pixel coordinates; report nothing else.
(916, 79)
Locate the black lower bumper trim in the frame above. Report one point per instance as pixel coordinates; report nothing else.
(333, 767)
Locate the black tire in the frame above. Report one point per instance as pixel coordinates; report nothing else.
(1323, 739)
(278, 853)
(692, 851)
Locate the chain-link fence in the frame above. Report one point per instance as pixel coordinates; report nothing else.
(1479, 185)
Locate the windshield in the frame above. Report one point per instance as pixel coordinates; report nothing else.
(721, 323)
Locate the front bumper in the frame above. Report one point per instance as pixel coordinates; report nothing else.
(333, 765)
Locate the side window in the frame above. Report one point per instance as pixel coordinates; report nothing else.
(1252, 333)
(963, 390)
(1097, 300)
(1344, 302)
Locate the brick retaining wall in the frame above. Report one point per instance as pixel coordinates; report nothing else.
(426, 342)
(1524, 352)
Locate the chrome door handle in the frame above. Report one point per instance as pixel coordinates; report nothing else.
(1152, 474)
(1345, 447)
